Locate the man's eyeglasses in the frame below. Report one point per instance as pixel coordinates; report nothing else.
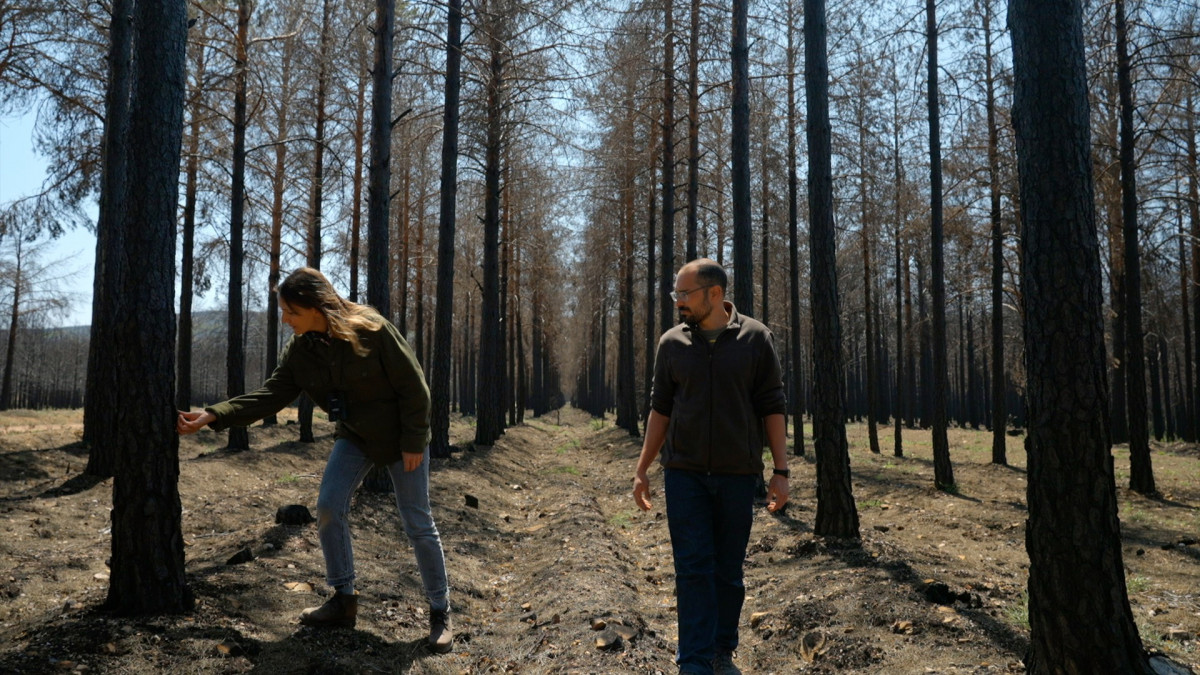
(681, 296)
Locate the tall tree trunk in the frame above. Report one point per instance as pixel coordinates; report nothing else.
(278, 188)
(538, 388)
(867, 237)
(521, 392)
(13, 323)
(1164, 357)
(147, 575)
(794, 358)
(667, 275)
(488, 423)
(943, 471)
(1116, 248)
(693, 185)
(1193, 164)
(765, 232)
(925, 346)
(743, 237)
(910, 347)
(1079, 615)
(401, 263)
(901, 351)
(1141, 471)
(1187, 421)
(1156, 395)
(837, 514)
(235, 355)
(627, 410)
(183, 342)
(651, 333)
(380, 170)
(316, 200)
(100, 407)
(974, 395)
(360, 127)
(505, 292)
(317, 195)
(999, 412)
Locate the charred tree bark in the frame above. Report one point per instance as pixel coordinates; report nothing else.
(489, 418)
(943, 471)
(1193, 388)
(743, 236)
(837, 514)
(627, 410)
(1187, 422)
(901, 350)
(359, 135)
(1079, 615)
(235, 355)
(439, 387)
(100, 407)
(866, 237)
(278, 187)
(147, 574)
(651, 333)
(693, 184)
(1141, 471)
(998, 410)
(13, 323)
(183, 342)
(667, 273)
(1156, 397)
(379, 170)
(794, 357)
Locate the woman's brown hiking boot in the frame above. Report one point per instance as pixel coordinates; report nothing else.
(338, 611)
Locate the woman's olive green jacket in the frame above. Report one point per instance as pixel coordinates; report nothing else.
(386, 400)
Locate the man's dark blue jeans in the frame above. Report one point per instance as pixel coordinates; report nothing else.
(709, 517)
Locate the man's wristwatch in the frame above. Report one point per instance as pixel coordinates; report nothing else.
(781, 472)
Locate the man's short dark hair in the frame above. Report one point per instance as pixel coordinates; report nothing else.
(710, 273)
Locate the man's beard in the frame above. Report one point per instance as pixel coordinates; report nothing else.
(692, 319)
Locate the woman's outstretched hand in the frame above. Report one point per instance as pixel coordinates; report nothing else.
(191, 422)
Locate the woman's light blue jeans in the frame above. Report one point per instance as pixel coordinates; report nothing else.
(345, 470)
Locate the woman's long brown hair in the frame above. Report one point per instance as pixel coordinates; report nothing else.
(308, 288)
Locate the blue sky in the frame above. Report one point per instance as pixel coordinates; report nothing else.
(21, 173)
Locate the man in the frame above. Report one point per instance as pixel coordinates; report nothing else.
(717, 388)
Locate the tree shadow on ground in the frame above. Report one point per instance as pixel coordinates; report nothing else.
(107, 643)
(27, 465)
(1001, 634)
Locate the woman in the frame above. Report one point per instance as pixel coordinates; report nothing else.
(355, 365)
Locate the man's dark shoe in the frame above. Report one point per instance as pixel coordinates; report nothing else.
(723, 664)
(441, 637)
(339, 611)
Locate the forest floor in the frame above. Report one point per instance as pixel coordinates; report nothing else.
(544, 545)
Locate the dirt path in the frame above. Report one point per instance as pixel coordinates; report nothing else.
(547, 555)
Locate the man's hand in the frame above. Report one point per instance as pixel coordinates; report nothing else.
(777, 493)
(191, 422)
(641, 491)
(412, 460)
